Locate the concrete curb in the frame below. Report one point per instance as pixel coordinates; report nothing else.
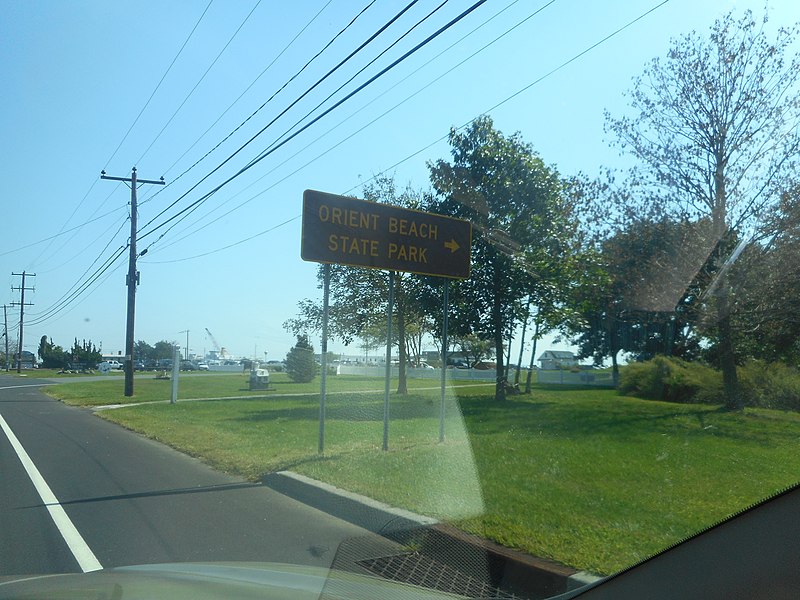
(504, 568)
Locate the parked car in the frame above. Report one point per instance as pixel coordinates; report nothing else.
(108, 365)
(188, 365)
(201, 366)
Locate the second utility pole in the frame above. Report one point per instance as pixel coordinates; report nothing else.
(133, 276)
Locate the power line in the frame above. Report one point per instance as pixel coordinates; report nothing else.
(88, 245)
(158, 85)
(83, 288)
(66, 231)
(255, 112)
(370, 123)
(247, 239)
(199, 81)
(365, 67)
(518, 92)
(323, 114)
(77, 282)
(309, 90)
(247, 89)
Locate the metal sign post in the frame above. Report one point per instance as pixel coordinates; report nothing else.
(444, 358)
(326, 286)
(348, 231)
(387, 383)
(176, 369)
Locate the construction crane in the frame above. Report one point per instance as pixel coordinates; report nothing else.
(221, 352)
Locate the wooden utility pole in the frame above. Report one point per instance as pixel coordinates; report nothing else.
(132, 279)
(5, 332)
(22, 304)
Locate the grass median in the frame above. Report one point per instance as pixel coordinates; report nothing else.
(586, 477)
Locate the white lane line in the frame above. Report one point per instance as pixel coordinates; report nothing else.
(80, 550)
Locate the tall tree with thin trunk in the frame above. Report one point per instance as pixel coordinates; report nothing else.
(715, 126)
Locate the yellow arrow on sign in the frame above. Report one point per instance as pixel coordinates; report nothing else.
(452, 245)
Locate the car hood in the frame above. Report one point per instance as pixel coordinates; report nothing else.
(211, 580)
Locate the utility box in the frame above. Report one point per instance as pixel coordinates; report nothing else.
(259, 379)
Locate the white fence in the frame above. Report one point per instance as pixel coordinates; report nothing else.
(564, 377)
(436, 374)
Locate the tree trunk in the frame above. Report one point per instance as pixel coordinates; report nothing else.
(727, 356)
(533, 355)
(497, 322)
(522, 340)
(402, 382)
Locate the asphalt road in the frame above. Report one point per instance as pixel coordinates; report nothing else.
(134, 501)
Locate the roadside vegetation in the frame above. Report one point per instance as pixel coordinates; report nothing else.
(590, 478)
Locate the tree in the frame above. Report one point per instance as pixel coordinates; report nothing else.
(300, 364)
(716, 129)
(767, 279)
(474, 347)
(50, 355)
(642, 296)
(84, 353)
(520, 223)
(163, 350)
(143, 351)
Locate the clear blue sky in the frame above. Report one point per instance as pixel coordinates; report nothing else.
(76, 75)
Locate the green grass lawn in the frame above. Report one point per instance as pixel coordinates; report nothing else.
(216, 385)
(586, 477)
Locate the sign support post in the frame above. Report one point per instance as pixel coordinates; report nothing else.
(387, 383)
(326, 286)
(444, 359)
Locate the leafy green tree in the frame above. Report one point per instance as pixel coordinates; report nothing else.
(715, 127)
(521, 223)
(643, 295)
(767, 279)
(50, 355)
(84, 353)
(163, 350)
(300, 364)
(143, 351)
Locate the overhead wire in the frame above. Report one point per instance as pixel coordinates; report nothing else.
(375, 77)
(412, 28)
(252, 83)
(438, 140)
(264, 104)
(158, 85)
(518, 92)
(113, 154)
(263, 129)
(66, 231)
(357, 111)
(199, 81)
(78, 281)
(362, 69)
(72, 297)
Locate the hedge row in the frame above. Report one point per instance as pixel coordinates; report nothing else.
(766, 385)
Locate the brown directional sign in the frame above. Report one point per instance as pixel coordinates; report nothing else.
(347, 231)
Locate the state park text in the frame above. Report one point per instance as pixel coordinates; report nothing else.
(342, 230)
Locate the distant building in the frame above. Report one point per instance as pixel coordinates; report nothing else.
(29, 360)
(556, 359)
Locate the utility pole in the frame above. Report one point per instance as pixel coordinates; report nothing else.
(5, 332)
(22, 304)
(132, 279)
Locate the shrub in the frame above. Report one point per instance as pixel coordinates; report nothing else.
(300, 364)
(770, 385)
(672, 380)
(762, 384)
